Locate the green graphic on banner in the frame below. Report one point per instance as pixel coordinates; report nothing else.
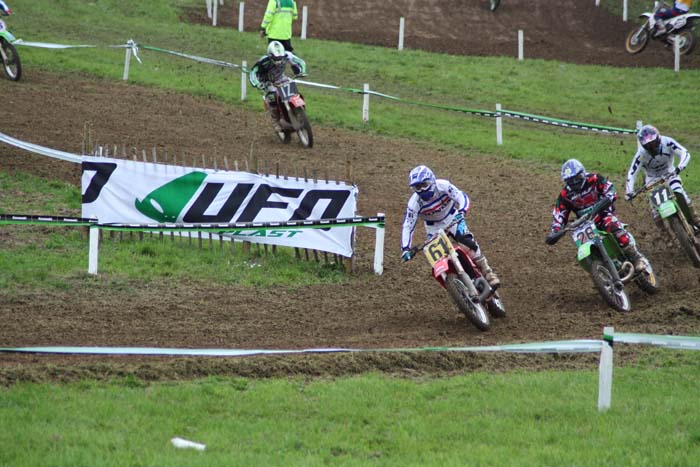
(164, 204)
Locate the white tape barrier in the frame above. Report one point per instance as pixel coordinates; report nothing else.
(44, 151)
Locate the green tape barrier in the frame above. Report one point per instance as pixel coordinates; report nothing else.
(673, 342)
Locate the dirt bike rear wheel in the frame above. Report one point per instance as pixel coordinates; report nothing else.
(304, 132)
(647, 280)
(12, 64)
(686, 242)
(495, 306)
(474, 312)
(604, 282)
(637, 39)
(687, 42)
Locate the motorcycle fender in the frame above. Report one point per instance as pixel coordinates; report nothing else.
(584, 251)
(440, 268)
(8, 36)
(297, 101)
(645, 15)
(667, 209)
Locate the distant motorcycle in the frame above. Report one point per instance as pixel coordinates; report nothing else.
(601, 256)
(681, 26)
(10, 58)
(674, 210)
(454, 270)
(292, 109)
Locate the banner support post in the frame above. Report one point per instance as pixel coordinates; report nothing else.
(365, 103)
(93, 249)
(244, 87)
(241, 10)
(379, 249)
(605, 370)
(127, 62)
(304, 21)
(499, 126)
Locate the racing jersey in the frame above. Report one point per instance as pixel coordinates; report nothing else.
(440, 209)
(267, 71)
(658, 166)
(278, 18)
(595, 188)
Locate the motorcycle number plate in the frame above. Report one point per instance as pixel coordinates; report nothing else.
(660, 195)
(437, 249)
(584, 233)
(287, 90)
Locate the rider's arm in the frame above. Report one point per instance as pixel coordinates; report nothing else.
(560, 213)
(5, 9)
(298, 65)
(409, 222)
(606, 188)
(459, 197)
(633, 170)
(679, 152)
(254, 74)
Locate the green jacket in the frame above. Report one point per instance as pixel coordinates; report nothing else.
(277, 22)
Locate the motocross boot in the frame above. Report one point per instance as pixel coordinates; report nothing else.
(488, 273)
(275, 117)
(694, 219)
(633, 254)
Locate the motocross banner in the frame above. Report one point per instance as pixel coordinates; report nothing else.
(117, 191)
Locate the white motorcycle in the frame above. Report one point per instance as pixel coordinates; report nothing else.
(681, 26)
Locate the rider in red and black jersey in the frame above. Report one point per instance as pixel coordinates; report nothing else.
(581, 193)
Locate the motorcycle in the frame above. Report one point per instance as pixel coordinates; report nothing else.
(10, 58)
(673, 210)
(454, 270)
(292, 109)
(601, 256)
(681, 26)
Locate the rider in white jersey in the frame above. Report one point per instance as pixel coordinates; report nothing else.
(438, 203)
(656, 155)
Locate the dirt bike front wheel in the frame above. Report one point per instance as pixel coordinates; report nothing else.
(474, 311)
(615, 296)
(304, 132)
(687, 42)
(11, 63)
(637, 39)
(686, 240)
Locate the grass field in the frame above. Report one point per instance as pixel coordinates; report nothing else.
(520, 418)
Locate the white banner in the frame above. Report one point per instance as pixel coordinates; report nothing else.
(123, 191)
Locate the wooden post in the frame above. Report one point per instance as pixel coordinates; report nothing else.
(402, 25)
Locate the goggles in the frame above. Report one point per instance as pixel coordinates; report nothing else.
(420, 187)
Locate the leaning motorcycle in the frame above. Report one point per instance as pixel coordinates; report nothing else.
(601, 256)
(292, 109)
(10, 58)
(681, 26)
(454, 270)
(674, 211)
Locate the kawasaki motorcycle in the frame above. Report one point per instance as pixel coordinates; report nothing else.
(673, 210)
(455, 271)
(10, 58)
(601, 256)
(681, 26)
(292, 109)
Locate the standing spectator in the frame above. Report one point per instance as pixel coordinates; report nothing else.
(277, 22)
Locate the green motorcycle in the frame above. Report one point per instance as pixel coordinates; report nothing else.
(601, 256)
(10, 58)
(673, 210)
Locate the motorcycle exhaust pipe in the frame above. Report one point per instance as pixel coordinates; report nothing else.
(486, 291)
(626, 272)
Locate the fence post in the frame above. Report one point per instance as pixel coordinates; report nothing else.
(365, 103)
(402, 25)
(677, 53)
(605, 371)
(215, 11)
(624, 10)
(379, 249)
(93, 250)
(304, 21)
(209, 8)
(241, 14)
(597, 2)
(521, 45)
(244, 86)
(127, 62)
(499, 126)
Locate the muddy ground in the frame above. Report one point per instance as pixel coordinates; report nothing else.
(547, 295)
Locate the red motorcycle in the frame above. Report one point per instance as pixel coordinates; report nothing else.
(454, 270)
(292, 110)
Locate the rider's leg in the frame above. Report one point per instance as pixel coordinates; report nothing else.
(480, 260)
(274, 111)
(629, 248)
(677, 187)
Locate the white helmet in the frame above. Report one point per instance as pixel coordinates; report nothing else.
(275, 50)
(422, 181)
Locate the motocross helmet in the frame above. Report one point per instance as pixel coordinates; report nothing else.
(574, 175)
(422, 181)
(275, 50)
(650, 139)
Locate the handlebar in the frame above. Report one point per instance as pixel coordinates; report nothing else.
(599, 206)
(414, 251)
(648, 187)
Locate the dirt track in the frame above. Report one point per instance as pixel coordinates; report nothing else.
(547, 296)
